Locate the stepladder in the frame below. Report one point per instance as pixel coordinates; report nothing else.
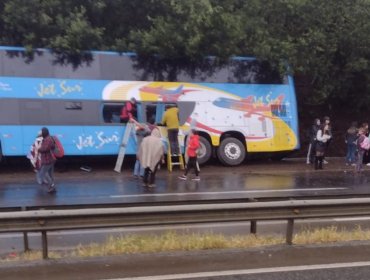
(129, 132)
(174, 158)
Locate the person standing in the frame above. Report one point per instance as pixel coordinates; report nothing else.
(312, 138)
(350, 140)
(47, 160)
(360, 150)
(129, 111)
(193, 126)
(329, 132)
(171, 121)
(366, 158)
(322, 137)
(35, 157)
(151, 154)
(191, 151)
(141, 132)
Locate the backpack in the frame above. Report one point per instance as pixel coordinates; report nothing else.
(58, 151)
(365, 144)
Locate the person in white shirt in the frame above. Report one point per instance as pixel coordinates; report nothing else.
(322, 137)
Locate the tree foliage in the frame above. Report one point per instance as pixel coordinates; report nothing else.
(327, 42)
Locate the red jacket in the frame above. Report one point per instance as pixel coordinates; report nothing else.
(128, 111)
(45, 151)
(193, 145)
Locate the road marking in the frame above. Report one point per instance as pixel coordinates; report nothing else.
(230, 192)
(352, 219)
(248, 271)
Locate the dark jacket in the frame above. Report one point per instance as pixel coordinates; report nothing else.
(313, 132)
(351, 135)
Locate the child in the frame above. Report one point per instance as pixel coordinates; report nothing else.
(34, 155)
(191, 151)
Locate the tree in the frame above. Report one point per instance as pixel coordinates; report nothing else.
(327, 42)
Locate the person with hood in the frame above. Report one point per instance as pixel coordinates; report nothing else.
(350, 140)
(47, 160)
(312, 138)
(191, 151)
(150, 155)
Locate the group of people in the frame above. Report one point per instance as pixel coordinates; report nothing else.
(43, 160)
(357, 153)
(150, 149)
(320, 137)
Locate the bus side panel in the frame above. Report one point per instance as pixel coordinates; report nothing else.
(294, 110)
(12, 140)
(101, 140)
(82, 140)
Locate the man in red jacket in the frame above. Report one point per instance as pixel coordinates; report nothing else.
(47, 160)
(191, 151)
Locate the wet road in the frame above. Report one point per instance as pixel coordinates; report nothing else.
(349, 261)
(287, 179)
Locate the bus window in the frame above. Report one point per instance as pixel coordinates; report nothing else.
(9, 111)
(155, 110)
(73, 105)
(112, 112)
(151, 112)
(34, 111)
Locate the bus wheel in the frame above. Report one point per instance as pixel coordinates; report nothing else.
(231, 152)
(205, 150)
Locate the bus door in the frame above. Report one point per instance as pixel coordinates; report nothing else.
(281, 125)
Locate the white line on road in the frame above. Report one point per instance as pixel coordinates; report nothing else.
(230, 192)
(352, 219)
(248, 271)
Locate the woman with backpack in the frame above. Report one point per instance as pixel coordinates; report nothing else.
(47, 160)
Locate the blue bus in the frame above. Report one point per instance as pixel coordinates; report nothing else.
(240, 107)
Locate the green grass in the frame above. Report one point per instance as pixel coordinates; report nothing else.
(172, 241)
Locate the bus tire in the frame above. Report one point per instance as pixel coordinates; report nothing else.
(205, 150)
(231, 152)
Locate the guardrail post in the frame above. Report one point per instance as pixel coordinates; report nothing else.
(44, 239)
(289, 232)
(25, 236)
(253, 227)
(25, 242)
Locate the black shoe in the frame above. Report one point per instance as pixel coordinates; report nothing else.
(52, 189)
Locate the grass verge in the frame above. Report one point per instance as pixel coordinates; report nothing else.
(172, 241)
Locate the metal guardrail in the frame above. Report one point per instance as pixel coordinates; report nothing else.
(52, 220)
